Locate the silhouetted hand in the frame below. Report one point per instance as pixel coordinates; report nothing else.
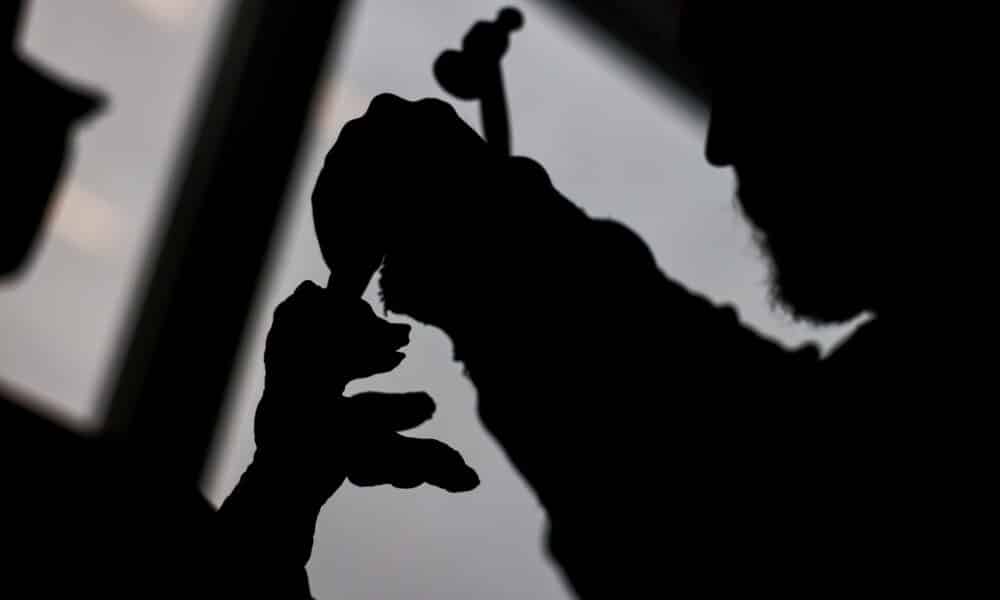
(402, 168)
(320, 341)
(457, 220)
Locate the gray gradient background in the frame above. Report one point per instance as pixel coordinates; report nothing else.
(614, 142)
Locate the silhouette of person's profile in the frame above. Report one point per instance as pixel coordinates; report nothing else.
(672, 447)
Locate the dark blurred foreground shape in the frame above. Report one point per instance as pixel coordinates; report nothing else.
(118, 514)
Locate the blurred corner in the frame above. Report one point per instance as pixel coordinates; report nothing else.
(647, 34)
(168, 391)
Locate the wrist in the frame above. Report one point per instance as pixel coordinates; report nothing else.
(287, 481)
(270, 517)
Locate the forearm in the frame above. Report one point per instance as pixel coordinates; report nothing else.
(266, 527)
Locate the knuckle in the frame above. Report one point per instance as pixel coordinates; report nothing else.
(386, 103)
(436, 107)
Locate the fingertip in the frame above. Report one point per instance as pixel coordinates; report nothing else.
(422, 403)
(464, 480)
(470, 480)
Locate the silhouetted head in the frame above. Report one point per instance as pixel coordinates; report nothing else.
(40, 114)
(831, 118)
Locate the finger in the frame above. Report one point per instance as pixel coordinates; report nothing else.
(391, 412)
(443, 466)
(376, 365)
(405, 462)
(374, 463)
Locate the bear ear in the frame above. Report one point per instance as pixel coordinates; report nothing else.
(82, 104)
(35, 85)
(62, 100)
